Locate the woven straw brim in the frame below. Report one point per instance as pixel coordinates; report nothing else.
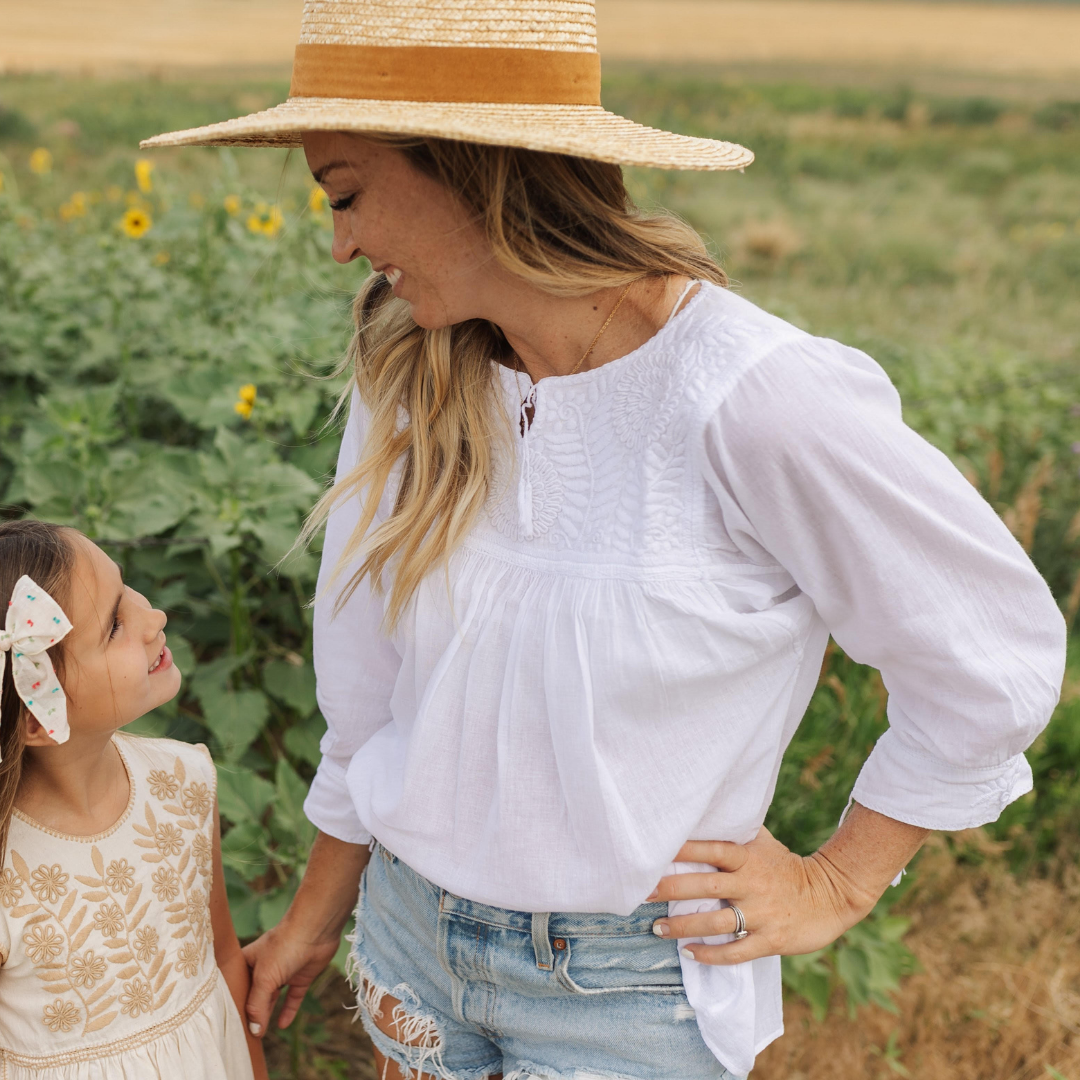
(582, 130)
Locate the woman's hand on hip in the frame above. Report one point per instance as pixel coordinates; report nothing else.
(792, 904)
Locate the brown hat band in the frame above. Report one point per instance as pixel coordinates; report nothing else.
(447, 73)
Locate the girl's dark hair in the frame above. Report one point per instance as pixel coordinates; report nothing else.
(45, 553)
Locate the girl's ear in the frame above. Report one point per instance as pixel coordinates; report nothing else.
(35, 733)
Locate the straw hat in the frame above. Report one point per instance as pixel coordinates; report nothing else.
(506, 72)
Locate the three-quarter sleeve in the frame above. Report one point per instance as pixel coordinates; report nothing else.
(910, 569)
(356, 664)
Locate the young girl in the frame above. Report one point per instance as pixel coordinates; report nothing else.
(118, 957)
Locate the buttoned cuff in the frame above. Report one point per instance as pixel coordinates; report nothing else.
(329, 806)
(911, 786)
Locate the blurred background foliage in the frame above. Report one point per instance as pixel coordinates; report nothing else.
(169, 330)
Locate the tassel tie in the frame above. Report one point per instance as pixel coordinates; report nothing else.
(525, 487)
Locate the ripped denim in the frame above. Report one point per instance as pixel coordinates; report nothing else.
(482, 991)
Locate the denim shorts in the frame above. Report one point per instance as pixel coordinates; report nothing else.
(484, 991)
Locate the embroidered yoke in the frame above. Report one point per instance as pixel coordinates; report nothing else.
(106, 943)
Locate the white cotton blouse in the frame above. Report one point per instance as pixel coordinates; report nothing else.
(623, 646)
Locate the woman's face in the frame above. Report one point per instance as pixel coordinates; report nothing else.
(409, 227)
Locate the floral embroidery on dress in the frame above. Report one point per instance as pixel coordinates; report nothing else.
(120, 876)
(146, 943)
(169, 840)
(643, 404)
(137, 997)
(166, 883)
(187, 960)
(60, 1015)
(152, 923)
(48, 883)
(87, 969)
(43, 944)
(11, 887)
(196, 798)
(163, 785)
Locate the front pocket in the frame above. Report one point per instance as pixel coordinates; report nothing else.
(601, 964)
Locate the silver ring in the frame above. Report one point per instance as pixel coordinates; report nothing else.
(740, 924)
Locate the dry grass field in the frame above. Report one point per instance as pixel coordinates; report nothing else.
(1031, 39)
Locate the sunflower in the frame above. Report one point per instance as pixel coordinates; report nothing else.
(143, 169)
(135, 222)
(41, 161)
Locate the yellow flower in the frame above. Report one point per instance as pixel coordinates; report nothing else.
(244, 409)
(232, 204)
(247, 393)
(266, 220)
(74, 207)
(143, 168)
(41, 161)
(161, 258)
(317, 200)
(135, 223)
(61, 1015)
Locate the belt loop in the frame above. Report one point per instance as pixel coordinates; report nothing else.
(545, 958)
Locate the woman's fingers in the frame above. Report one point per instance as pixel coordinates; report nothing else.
(705, 924)
(734, 952)
(261, 996)
(293, 1000)
(697, 887)
(722, 854)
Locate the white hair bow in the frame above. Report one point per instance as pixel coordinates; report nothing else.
(35, 622)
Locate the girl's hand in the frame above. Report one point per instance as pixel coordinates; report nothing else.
(792, 904)
(283, 956)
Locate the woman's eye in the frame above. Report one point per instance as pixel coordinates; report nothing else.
(343, 204)
(115, 628)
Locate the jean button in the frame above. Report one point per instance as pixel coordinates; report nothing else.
(559, 944)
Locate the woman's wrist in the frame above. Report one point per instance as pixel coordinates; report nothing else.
(328, 892)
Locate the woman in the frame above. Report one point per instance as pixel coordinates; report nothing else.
(595, 518)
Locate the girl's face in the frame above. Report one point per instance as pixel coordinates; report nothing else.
(116, 664)
(409, 227)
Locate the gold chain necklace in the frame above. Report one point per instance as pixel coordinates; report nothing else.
(600, 332)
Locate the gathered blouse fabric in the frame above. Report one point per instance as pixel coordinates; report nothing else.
(620, 652)
(107, 950)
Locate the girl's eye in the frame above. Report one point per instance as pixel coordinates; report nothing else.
(343, 204)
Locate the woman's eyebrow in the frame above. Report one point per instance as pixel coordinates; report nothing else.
(323, 170)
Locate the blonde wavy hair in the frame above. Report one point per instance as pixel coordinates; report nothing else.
(567, 226)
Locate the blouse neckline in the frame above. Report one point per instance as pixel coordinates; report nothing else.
(35, 824)
(582, 378)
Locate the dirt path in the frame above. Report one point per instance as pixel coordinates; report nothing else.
(1033, 39)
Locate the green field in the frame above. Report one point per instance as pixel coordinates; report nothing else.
(940, 234)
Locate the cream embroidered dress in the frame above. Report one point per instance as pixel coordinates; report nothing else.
(107, 950)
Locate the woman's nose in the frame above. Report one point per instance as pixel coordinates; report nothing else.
(345, 248)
